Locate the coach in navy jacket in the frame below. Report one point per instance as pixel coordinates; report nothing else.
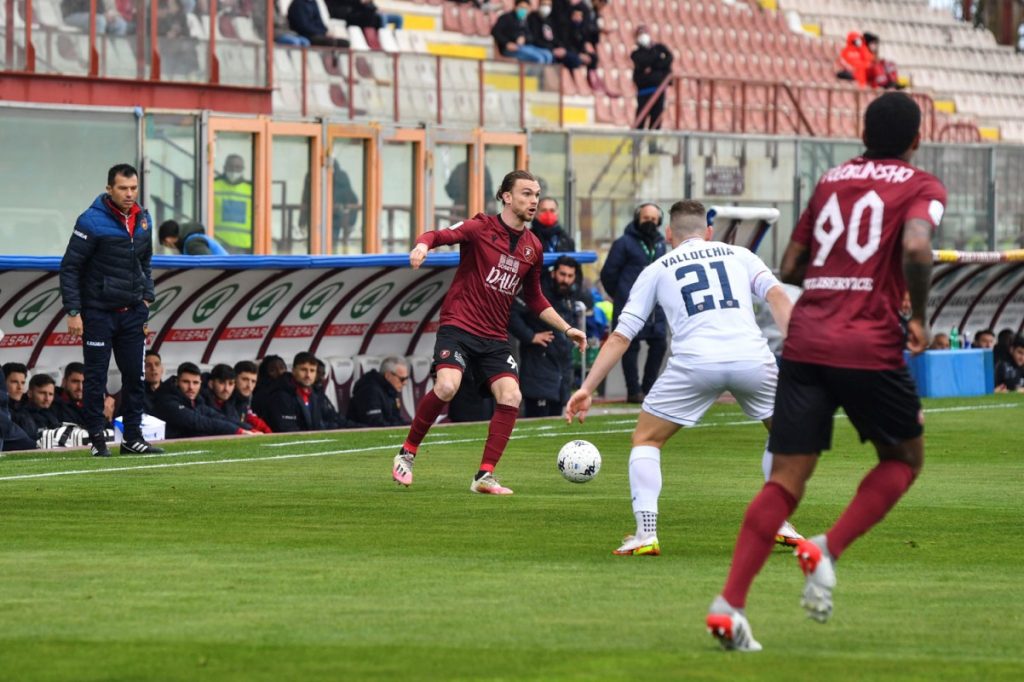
(107, 286)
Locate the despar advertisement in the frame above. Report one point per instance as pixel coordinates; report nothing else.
(225, 309)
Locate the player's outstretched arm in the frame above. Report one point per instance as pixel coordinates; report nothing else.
(611, 353)
(781, 307)
(794, 263)
(555, 321)
(418, 255)
(917, 271)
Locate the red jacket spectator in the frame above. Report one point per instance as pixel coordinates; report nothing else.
(855, 59)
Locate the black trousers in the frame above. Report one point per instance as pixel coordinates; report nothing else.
(656, 348)
(652, 119)
(124, 335)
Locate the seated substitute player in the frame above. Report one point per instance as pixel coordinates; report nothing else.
(863, 240)
(499, 257)
(705, 289)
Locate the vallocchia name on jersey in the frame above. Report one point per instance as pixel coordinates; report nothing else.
(699, 254)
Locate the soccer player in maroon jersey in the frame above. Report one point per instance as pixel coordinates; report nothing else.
(499, 257)
(863, 240)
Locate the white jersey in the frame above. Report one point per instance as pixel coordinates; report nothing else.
(705, 289)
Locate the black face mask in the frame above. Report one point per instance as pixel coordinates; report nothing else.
(648, 228)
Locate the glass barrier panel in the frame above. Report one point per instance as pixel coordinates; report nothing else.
(542, 85)
(396, 225)
(417, 90)
(501, 92)
(451, 185)
(233, 200)
(241, 42)
(460, 98)
(964, 170)
(549, 162)
(183, 40)
(1009, 208)
(60, 33)
(374, 87)
(604, 169)
(62, 162)
(289, 195)
(169, 157)
(348, 187)
(499, 160)
(288, 66)
(327, 89)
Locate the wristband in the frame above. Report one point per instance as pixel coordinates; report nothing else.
(73, 313)
(565, 332)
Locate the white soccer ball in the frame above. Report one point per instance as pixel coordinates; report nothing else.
(579, 461)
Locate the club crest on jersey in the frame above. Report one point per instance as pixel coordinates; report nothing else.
(445, 354)
(528, 254)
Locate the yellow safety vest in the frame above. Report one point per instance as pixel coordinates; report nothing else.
(232, 213)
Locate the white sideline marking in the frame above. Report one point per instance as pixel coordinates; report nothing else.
(297, 442)
(453, 441)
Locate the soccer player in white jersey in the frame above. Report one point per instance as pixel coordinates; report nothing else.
(705, 288)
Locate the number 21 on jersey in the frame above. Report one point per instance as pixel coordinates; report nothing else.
(698, 273)
(831, 217)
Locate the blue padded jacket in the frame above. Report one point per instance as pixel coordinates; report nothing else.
(104, 267)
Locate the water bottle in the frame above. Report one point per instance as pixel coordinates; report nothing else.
(954, 339)
(965, 340)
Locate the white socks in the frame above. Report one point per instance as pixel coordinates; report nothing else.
(766, 462)
(645, 485)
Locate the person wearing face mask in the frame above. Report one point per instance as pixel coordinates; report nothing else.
(549, 231)
(542, 34)
(513, 39)
(652, 64)
(232, 206)
(640, 245)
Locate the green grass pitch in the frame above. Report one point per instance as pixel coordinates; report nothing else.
(272, 559)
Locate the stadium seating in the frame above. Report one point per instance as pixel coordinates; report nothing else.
(962, 64)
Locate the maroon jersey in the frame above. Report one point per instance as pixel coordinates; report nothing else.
(853, 226)
(489, 275)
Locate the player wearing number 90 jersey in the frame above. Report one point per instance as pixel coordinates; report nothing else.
(863, 241)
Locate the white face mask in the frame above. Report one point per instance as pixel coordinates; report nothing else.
(233, 176)
(544, 11)
(643, 40)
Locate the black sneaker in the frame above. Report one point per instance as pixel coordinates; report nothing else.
(139, 447)
(99, 449)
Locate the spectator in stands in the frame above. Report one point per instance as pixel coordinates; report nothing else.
(304, 18)
(546, 365)
(1010, 372)
(344, 208)
(108, 19)
(362, 13)
(580, 35)
(38, 414)
(882, 73)
(177, 47)
(245, 385)
(190, 239)
(283, 35)
(127, 10)
(377, 396)
(178, 403)
(292, 403)
(232, 205)
(652, 64)
(985, 338)
(17, 378)
(854, 60)
(641, 243)
(512, 36)
(68, 402)
(153, 375)
(939, 342)
(12, 436)
(549, 230)
(542, 34)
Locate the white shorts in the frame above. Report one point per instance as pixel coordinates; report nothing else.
(683, 393)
